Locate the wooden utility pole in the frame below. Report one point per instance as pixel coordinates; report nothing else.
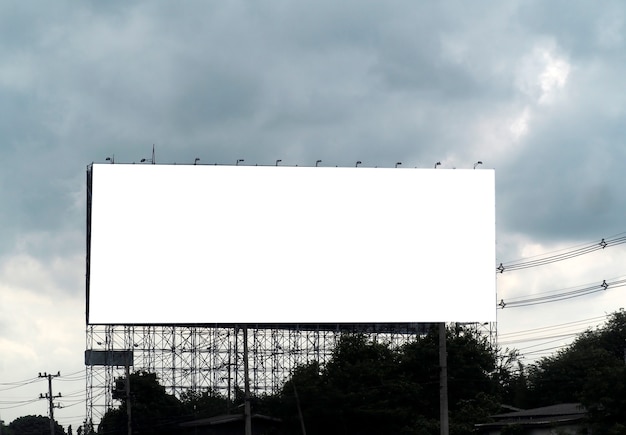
(443, 380)
(50, 397)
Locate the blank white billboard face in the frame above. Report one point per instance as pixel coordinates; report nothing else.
(180, 244)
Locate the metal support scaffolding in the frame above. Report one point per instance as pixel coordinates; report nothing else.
(202, 358)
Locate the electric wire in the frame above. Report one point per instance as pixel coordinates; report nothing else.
(559, 332)
(539, 353)
(17, 404)
(584, 322)
(526, 340)
(73, 376)
(544, 259)
(564, 295)
(74, 398)
(544, 343)
(547, 335)
(540, 340)
(534, 352)
(18, 383)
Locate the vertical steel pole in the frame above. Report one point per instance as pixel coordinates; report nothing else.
(443, 380)
(246, 383)
(128, 404)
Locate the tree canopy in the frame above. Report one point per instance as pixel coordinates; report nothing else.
(591, 371)
(33, 425)
(369, 387)
(153, 411)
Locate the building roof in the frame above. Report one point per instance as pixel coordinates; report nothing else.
(547, 415)
(227, 418)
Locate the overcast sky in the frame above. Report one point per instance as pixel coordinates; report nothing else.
(533, 89)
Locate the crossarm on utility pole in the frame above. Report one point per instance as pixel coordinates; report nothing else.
(50, 397)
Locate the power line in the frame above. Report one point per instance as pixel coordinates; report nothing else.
(50, 397)
(603, 286)
(552, 333)
(72, 376)
(20, 383)
(18, 404)
(17, 385)
(544, 259)
(539, 353)
(547, 337)
(585, 322)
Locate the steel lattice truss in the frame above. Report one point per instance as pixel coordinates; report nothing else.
(202, 358)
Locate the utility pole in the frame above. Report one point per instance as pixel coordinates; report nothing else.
(129, 425)
(50, 397)
(246, 383)
(443, 380)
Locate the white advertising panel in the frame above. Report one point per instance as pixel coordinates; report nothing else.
(181, 244)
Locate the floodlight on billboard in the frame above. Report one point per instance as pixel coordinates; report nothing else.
(182, 244)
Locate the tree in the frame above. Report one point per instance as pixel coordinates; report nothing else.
(359, 391)
(87, 428)
(471, 376)
(370, 387)
(4, 429)
(152, 410)
(512, 379)
(195, 405)
(591, 371)
(34, 425)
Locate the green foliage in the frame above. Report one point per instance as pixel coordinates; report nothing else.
(472, 411)
(33, 425)
(4, 429)
(590, 371)
(195, 405)
(512, 380)
(152, 410)
(86, 429)
(368, 387)
(470, 366)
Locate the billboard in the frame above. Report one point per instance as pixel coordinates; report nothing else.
(185, 244)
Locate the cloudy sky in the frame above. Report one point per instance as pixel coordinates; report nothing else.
(532, 89)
